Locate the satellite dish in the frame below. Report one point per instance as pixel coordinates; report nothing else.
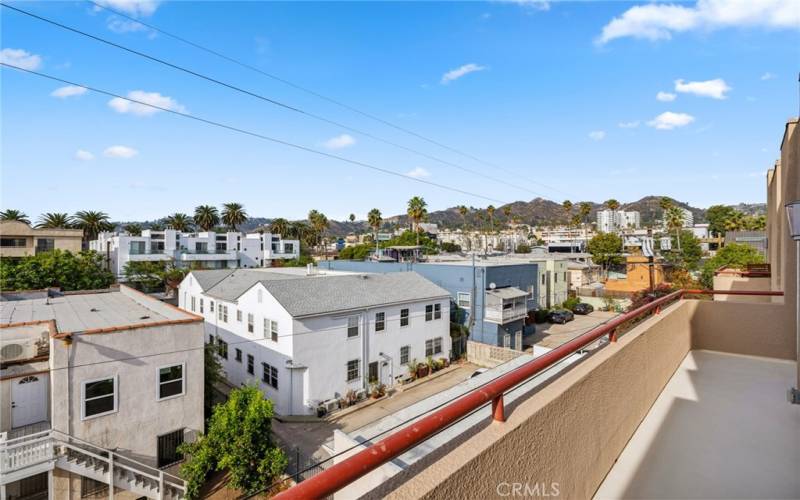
(492, 286)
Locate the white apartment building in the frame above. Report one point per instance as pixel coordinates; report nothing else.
(97, 389)
(308, 339)
(476, 241)
(609, 221)
(206, 250)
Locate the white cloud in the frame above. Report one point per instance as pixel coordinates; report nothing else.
(137, 8)
(716, 89)
(123, 106)
(21, 58)
(542, 5)
(120, 25)
(123, 152)
(665, 97)
(767, 76)
(68, 91)
(669, 120)
(455, 74)
(418, 173)
(83, 155)
(597, 135)
(661, 21)
(633, 124)
(340, 142)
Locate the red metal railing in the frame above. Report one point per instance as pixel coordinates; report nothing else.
(340, 475)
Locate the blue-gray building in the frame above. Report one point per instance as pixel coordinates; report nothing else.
(495, 300)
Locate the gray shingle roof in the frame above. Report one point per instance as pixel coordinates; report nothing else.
(325, 294)
(207, 279)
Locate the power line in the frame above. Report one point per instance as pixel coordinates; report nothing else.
(317, 94)
(258, 135)
(265, 98)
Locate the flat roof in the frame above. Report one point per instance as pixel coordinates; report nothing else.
(91, 311)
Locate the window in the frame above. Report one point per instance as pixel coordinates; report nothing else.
(352, 369)
(464, 299)
(405, 351)
(12, 242)
(193, 303)
(211, 305)
(201, 304)
(168, 448)
(211, 340)
(288, 248)
(543, 278)
(429, 312)
(222, 347)
(219, 313)
(565, 276)
(269, 375)
(170, 381)
(239, 315)
(250, 364)
(273, 328)
(437, 311)
(99, 397)
(403, 317)
(433, 346)
(250, 321)
(352, 326)
(45, 245)
(380, 322)
(266, 327)
(239, 355)
(555, 277)
(224, 313)
(507, 341)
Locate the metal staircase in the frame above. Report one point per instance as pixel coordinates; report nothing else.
(42, 451)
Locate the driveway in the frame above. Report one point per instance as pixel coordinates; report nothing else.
(310, 436)
(553, 335)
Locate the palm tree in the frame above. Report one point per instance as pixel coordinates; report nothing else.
(612, 204)
(374, 218)
(233, 215)
(54, 220)
(417, 210)
(463, 210)
(206, 216)
(319, 223)
(352, 218)
(15, 215)
(92, 222)
(301, 231)
(584, 209)
(155, 226)
(279, 226)
(179, 222)
(133, 229)
(490, 210)
(674, 220)
(507, 213)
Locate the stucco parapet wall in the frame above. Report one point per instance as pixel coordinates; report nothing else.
(572, 431)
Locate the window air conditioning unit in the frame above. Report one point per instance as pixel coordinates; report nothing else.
(17, 349)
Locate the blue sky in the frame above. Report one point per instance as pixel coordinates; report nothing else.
(563, 93)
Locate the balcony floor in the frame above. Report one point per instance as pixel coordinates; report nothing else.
(721, 428)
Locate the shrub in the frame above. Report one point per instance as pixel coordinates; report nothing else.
(570, 303)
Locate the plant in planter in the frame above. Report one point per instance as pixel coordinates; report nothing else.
(412, 368)
(377, 390)
(423, 370)
(351, 397)
(443, 363)
(432, 364)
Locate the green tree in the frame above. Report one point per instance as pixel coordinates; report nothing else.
(352, 218)
(54, 220)
(674, 218)
(733, 255)
(717, 216)
(522, 248)
(206, 217)
(490, 210)
(755, 222)
(690, 252)
(57, 269)
(612, 204)
(179, 222)
(133, 229)
(450, 247)
(319, 223)
(15, 215)
(417, 211)
(606, 249)
(279, 226)
(93, 222)
(239, 440)
(463, 210)
(355, 252)
(507, 213)
(233, 214)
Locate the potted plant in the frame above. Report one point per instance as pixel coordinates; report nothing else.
(422, 370)
(432, 364)
(351, 397)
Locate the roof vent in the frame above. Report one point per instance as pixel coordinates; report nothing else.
(94, 310)
(144, 317)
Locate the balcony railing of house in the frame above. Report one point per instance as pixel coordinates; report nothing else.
(503, 315)
(360, 464)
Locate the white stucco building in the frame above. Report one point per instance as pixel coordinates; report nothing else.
(609, 221)
(205, 250)
(307, 339)
(96, 388)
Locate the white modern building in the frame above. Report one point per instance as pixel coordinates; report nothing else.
(609, 221)
(204, 250)
(308, 338)
(96, 389)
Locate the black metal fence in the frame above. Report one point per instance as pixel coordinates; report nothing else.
(301, 467)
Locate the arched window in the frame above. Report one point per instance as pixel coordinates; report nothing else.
(28, 379)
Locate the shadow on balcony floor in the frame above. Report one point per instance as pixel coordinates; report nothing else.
(721, 428)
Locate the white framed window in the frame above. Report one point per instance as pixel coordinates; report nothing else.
(543, 278)
(239, 315)
(266, 327)
(250, 323)
(353, 369)
(273, 329)
(429, 312)
(222, 348)
(193, 303)
(380, 322)
(405, 353)
(437, 311)
(464, 299)
(433, 346)
(352, 327)
(219, 313)
(201, 304)
(238, 355)
(403, 317)
(211, 305)
(251, 364)
(99, 397)
(269, 375)
(171, 381)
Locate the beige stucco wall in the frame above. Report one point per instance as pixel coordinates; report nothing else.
(64, 239)
(743, 283)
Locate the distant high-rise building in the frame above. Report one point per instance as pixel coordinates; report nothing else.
(613, 220)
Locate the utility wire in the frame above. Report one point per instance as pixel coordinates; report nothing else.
(317, 94)
(265, 98)
(258, 135)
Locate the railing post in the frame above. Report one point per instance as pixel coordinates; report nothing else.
(498, 410)
(161, 485)
(612, 336)
(111, 476)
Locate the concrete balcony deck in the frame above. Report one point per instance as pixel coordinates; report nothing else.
(721, 428)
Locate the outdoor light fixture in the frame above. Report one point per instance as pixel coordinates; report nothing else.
(793, 215)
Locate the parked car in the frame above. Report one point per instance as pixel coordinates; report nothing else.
(583, 308)
(561, 316)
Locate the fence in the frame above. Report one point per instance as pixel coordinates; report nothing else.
(489, 355)
(300, 466)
